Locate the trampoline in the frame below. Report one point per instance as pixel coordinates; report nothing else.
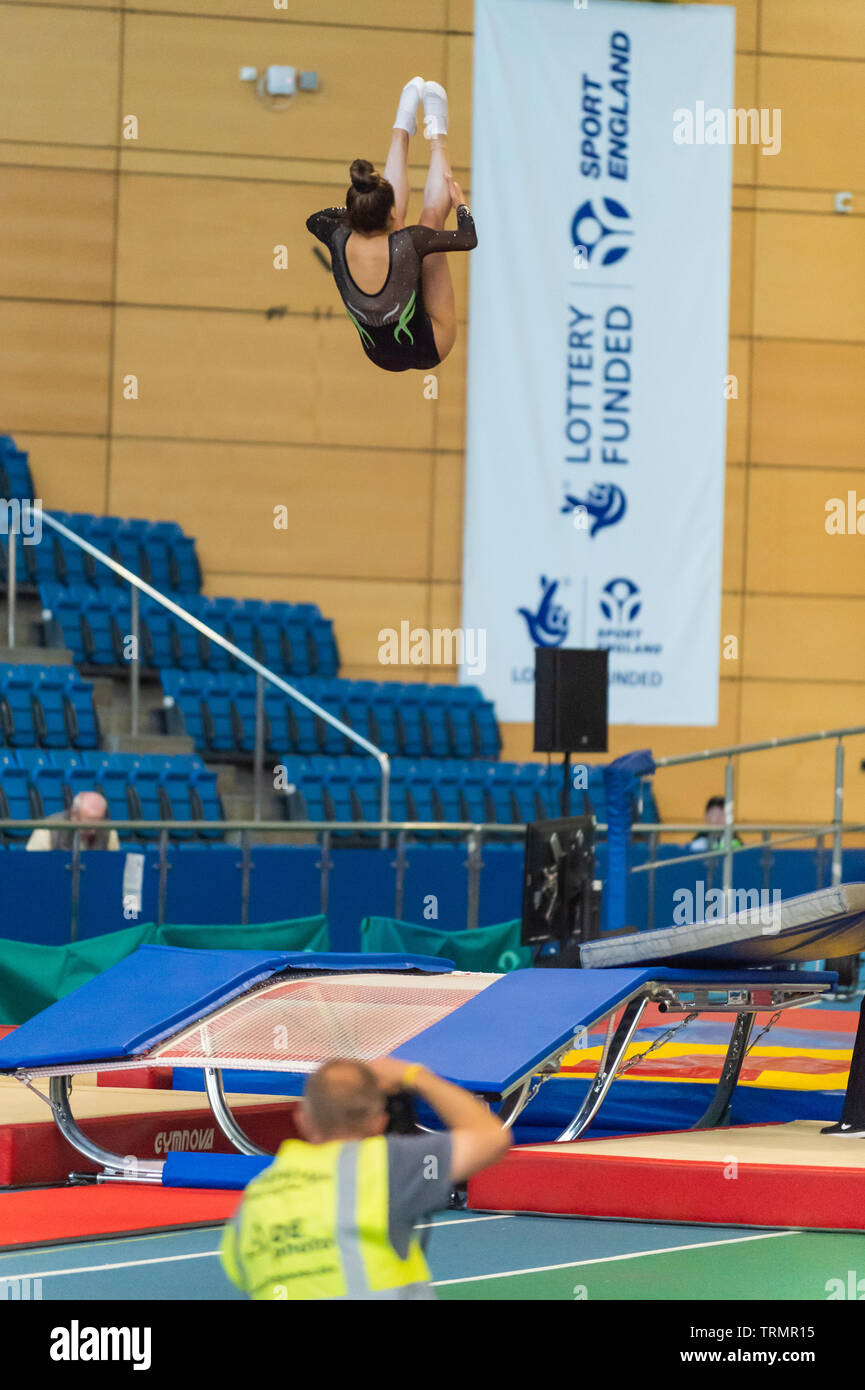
(499, 1036)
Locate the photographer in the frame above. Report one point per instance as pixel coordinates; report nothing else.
(334, 1217)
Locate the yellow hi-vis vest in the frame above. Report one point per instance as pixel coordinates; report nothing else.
(315, 1225)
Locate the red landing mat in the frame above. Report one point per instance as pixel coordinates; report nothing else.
(755, 1175)
(144, 1123)
(55, 1215)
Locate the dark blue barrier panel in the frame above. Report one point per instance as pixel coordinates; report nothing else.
(362, 884)
(34, 896)
(101, 896)
(203, 886)
(284, 883)
(436, 886)
(501, 896)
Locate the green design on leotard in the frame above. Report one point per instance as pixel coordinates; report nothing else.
(365, 337)
(405, 319)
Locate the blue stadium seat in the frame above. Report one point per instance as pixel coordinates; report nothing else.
(216, 720)
(185, 569)
(473, 789)
(435, 711)
(16, 708)
(487, 739)
(301, 657)
(205, 801)
(411, 723)
(47, 784)
(14, 795)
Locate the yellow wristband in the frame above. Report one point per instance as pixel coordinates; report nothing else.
(410, 1073)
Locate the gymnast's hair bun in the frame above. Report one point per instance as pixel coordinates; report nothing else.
(364, 177)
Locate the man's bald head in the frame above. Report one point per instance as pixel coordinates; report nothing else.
(88, 807)
(342, 1100)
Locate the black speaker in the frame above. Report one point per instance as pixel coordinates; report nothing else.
(570, 701)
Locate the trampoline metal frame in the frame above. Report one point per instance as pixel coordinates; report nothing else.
(745, 1001)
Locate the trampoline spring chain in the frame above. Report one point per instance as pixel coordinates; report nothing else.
(763, 1031)
(659, 1042)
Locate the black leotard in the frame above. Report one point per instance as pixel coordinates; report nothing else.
(394, 326)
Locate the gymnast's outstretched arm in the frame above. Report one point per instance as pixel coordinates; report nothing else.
(323, 224)
(428, 240)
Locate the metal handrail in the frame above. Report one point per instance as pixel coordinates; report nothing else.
(678, 759)
(260, 670)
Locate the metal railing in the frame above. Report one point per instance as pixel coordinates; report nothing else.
(396, 835)
(262, 673)
(728, 849)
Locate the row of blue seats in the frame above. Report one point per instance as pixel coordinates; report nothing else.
(15, 479)
(46, 707)
(95, 625)
(157, 551)
(34, 784)
(431, 789)
(408, 720)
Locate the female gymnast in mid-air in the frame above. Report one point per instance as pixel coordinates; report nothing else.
(395, 284)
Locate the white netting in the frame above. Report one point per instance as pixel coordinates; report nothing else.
(295, 1025)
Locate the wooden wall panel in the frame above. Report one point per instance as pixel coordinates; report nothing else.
(60, 74)
(447, 517)
(789, 550)
(240, 377)
(211, 242)
(390, 14)
(797, 783)
(53, 368)
(735, 493)
(69, 472)
(739, 407)
(745, 96)
(800, 294)
(805, 638)
(741, 272)
(458, 81)
(821, 143)
(808, 404)
(196, 101)
(834, 28)
(59, 243)
(352, 513)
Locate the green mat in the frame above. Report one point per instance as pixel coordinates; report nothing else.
(495, 949)
(33, 976)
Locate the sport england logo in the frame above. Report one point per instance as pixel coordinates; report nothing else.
(603, 505)
(602, 233)
(619, 601)
(548, 627)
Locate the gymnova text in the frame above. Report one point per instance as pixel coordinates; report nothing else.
(77, 1343)
(718, 905)
(438, 646)
(21, 518)
(733, 127)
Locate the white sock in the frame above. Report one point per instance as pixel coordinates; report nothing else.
(435, 105)
(406, 112)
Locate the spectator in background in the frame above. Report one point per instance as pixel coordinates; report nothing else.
(712, 839)
(85, 813)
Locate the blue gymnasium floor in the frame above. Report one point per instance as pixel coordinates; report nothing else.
(480, 1257)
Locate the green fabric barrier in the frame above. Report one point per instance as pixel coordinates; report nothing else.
(303, 934)
(496, 949)
(34, 976)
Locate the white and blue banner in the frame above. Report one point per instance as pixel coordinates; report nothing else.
(598, 347)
